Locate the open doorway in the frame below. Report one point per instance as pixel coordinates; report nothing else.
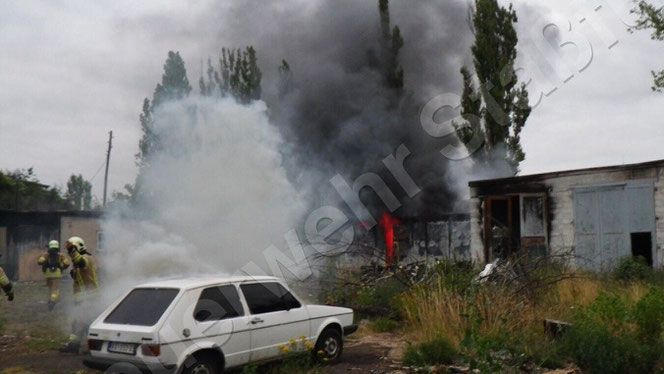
(502, 226)
(642, 245)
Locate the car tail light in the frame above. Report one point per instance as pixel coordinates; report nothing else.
(150, 349)
(95, 344)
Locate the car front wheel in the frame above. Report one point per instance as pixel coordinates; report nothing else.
(331, 345)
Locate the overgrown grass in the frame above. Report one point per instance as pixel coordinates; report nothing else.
(616, 335)
(385, 325)
(42, 344)
(617, 319)
(433, 352)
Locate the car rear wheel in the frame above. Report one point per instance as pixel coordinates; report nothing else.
(204, 364)
(331, 344)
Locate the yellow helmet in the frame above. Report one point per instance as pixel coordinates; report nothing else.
(75, 243)
(53, 244)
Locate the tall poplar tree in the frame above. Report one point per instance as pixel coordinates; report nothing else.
(239, 76)
(174, 86)
(499, 107)
(391, 43)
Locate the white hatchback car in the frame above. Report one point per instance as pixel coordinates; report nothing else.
(207, 325)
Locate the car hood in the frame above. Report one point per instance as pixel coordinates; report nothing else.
(316, 311)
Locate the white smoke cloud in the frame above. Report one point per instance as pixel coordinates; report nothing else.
(221, 196)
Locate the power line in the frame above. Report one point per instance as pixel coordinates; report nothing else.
(98, 170)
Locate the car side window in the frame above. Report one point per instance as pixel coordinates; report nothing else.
(217, 303)
(268, 297)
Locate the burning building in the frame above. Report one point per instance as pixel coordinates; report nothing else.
(402, 239)
(596, 215)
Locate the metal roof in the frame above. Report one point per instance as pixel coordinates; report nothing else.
(554, 174)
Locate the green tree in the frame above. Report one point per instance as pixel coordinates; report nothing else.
(471, 110)
(149, 138)
(174, 86)
(79, 193)
(207, 87)
(21, 190)
(651, 17)
(174, 83)
(499, 108)
(239, 76)
(391, 43)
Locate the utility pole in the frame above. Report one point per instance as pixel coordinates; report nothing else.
(108, 158)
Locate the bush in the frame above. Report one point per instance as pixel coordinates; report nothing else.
(595, 348)
(455, 276)
(384, 325)
(385, 291)
(434, 352)
(632, 268)
(602, 340)
(648, 315)
(384, 295)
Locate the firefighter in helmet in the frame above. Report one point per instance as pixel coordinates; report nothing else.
(53, 263)
(6, 285)
(84, 273)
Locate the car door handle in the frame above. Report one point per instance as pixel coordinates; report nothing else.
(256, 320)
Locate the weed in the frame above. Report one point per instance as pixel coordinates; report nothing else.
(648, 315)
(251, 368)
(297, 357)
(433, 352)
(632, 268)
(609, 336)
(42, 344)
(384, 325)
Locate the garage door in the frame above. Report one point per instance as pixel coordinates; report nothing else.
(605, 216)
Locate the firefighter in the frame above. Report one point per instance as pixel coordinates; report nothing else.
(84, 273)
(53, 263)
(6, 285)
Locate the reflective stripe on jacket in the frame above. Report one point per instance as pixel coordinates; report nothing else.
(63, 263)
(4, 281)
(84, 272)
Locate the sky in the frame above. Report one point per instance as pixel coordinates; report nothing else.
(71, 71)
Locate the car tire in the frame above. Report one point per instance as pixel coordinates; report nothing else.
(204, 364)
(332, 344)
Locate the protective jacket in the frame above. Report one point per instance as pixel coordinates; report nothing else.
(52, 263)
(6, 285)
(84, 272)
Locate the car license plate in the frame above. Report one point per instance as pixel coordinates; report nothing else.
(125, 348)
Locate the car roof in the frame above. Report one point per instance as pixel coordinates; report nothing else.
(196, 282)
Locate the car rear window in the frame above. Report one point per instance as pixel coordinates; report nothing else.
(142, 307)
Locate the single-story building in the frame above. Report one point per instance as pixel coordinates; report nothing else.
(24, 235)
(596, 215)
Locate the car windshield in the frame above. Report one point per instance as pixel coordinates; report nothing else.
(142, 307)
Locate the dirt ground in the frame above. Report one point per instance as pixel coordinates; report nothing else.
(30, 337)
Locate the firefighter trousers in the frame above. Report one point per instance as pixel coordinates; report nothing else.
(53, 285)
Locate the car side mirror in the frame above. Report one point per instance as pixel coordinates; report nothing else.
(202, 315)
